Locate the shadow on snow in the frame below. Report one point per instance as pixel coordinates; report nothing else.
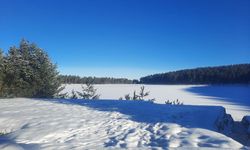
(147, 112)
(238, 94)
(8, 142)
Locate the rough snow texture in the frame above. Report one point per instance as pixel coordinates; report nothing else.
(99, 124)
(235, 98)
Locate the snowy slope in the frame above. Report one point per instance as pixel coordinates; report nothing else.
(235, 98)
(98, 124)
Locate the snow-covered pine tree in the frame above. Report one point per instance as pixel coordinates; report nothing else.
(1, 72)
(30, 72)
(88, 92)
(45, 77)
(13, 79)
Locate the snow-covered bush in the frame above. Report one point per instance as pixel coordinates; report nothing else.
(142, 93)
(141, 96)
(2, 133)
(74, 95)
(127, 97)
(88, 92)
(175, 102)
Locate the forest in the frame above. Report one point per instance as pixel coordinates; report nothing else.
(230, 74)
(73, 79)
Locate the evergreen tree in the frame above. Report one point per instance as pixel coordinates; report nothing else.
(45, 76)
(142, 93)
(29, 72)
(1, 72)
(14, 74)
(88, 92)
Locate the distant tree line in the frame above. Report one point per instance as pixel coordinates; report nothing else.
(231, 74)
(71, 79)
(27, 71)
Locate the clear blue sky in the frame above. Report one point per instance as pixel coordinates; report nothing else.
(130, 38)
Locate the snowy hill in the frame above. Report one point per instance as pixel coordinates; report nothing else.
(98, 124)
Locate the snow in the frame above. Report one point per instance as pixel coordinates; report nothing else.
(235, 98)
(99, 124)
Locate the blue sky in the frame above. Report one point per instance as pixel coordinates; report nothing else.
(130, 38)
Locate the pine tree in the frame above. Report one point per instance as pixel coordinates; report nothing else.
(29, 72)
(13, 79)
(1, 73)
(45, 77)
(142, 93)
(88, 92)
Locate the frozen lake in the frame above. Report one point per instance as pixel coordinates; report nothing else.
(235, 98)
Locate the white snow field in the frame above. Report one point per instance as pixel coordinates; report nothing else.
(235, 98)
(109, 124)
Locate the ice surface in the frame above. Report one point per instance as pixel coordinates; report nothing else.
(235, 98)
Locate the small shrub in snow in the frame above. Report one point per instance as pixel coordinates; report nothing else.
(135, 96)
(88, 92)
(175, 102)
(61, 95)
(141, 96)
(127, 97)
(2, 133)
(152, 100)
(73, 95)
(142, 93)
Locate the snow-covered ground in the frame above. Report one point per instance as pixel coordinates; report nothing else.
(99, 124)
(113, 124)
(235, 98)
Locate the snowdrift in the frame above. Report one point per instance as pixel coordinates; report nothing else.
(99, 124)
